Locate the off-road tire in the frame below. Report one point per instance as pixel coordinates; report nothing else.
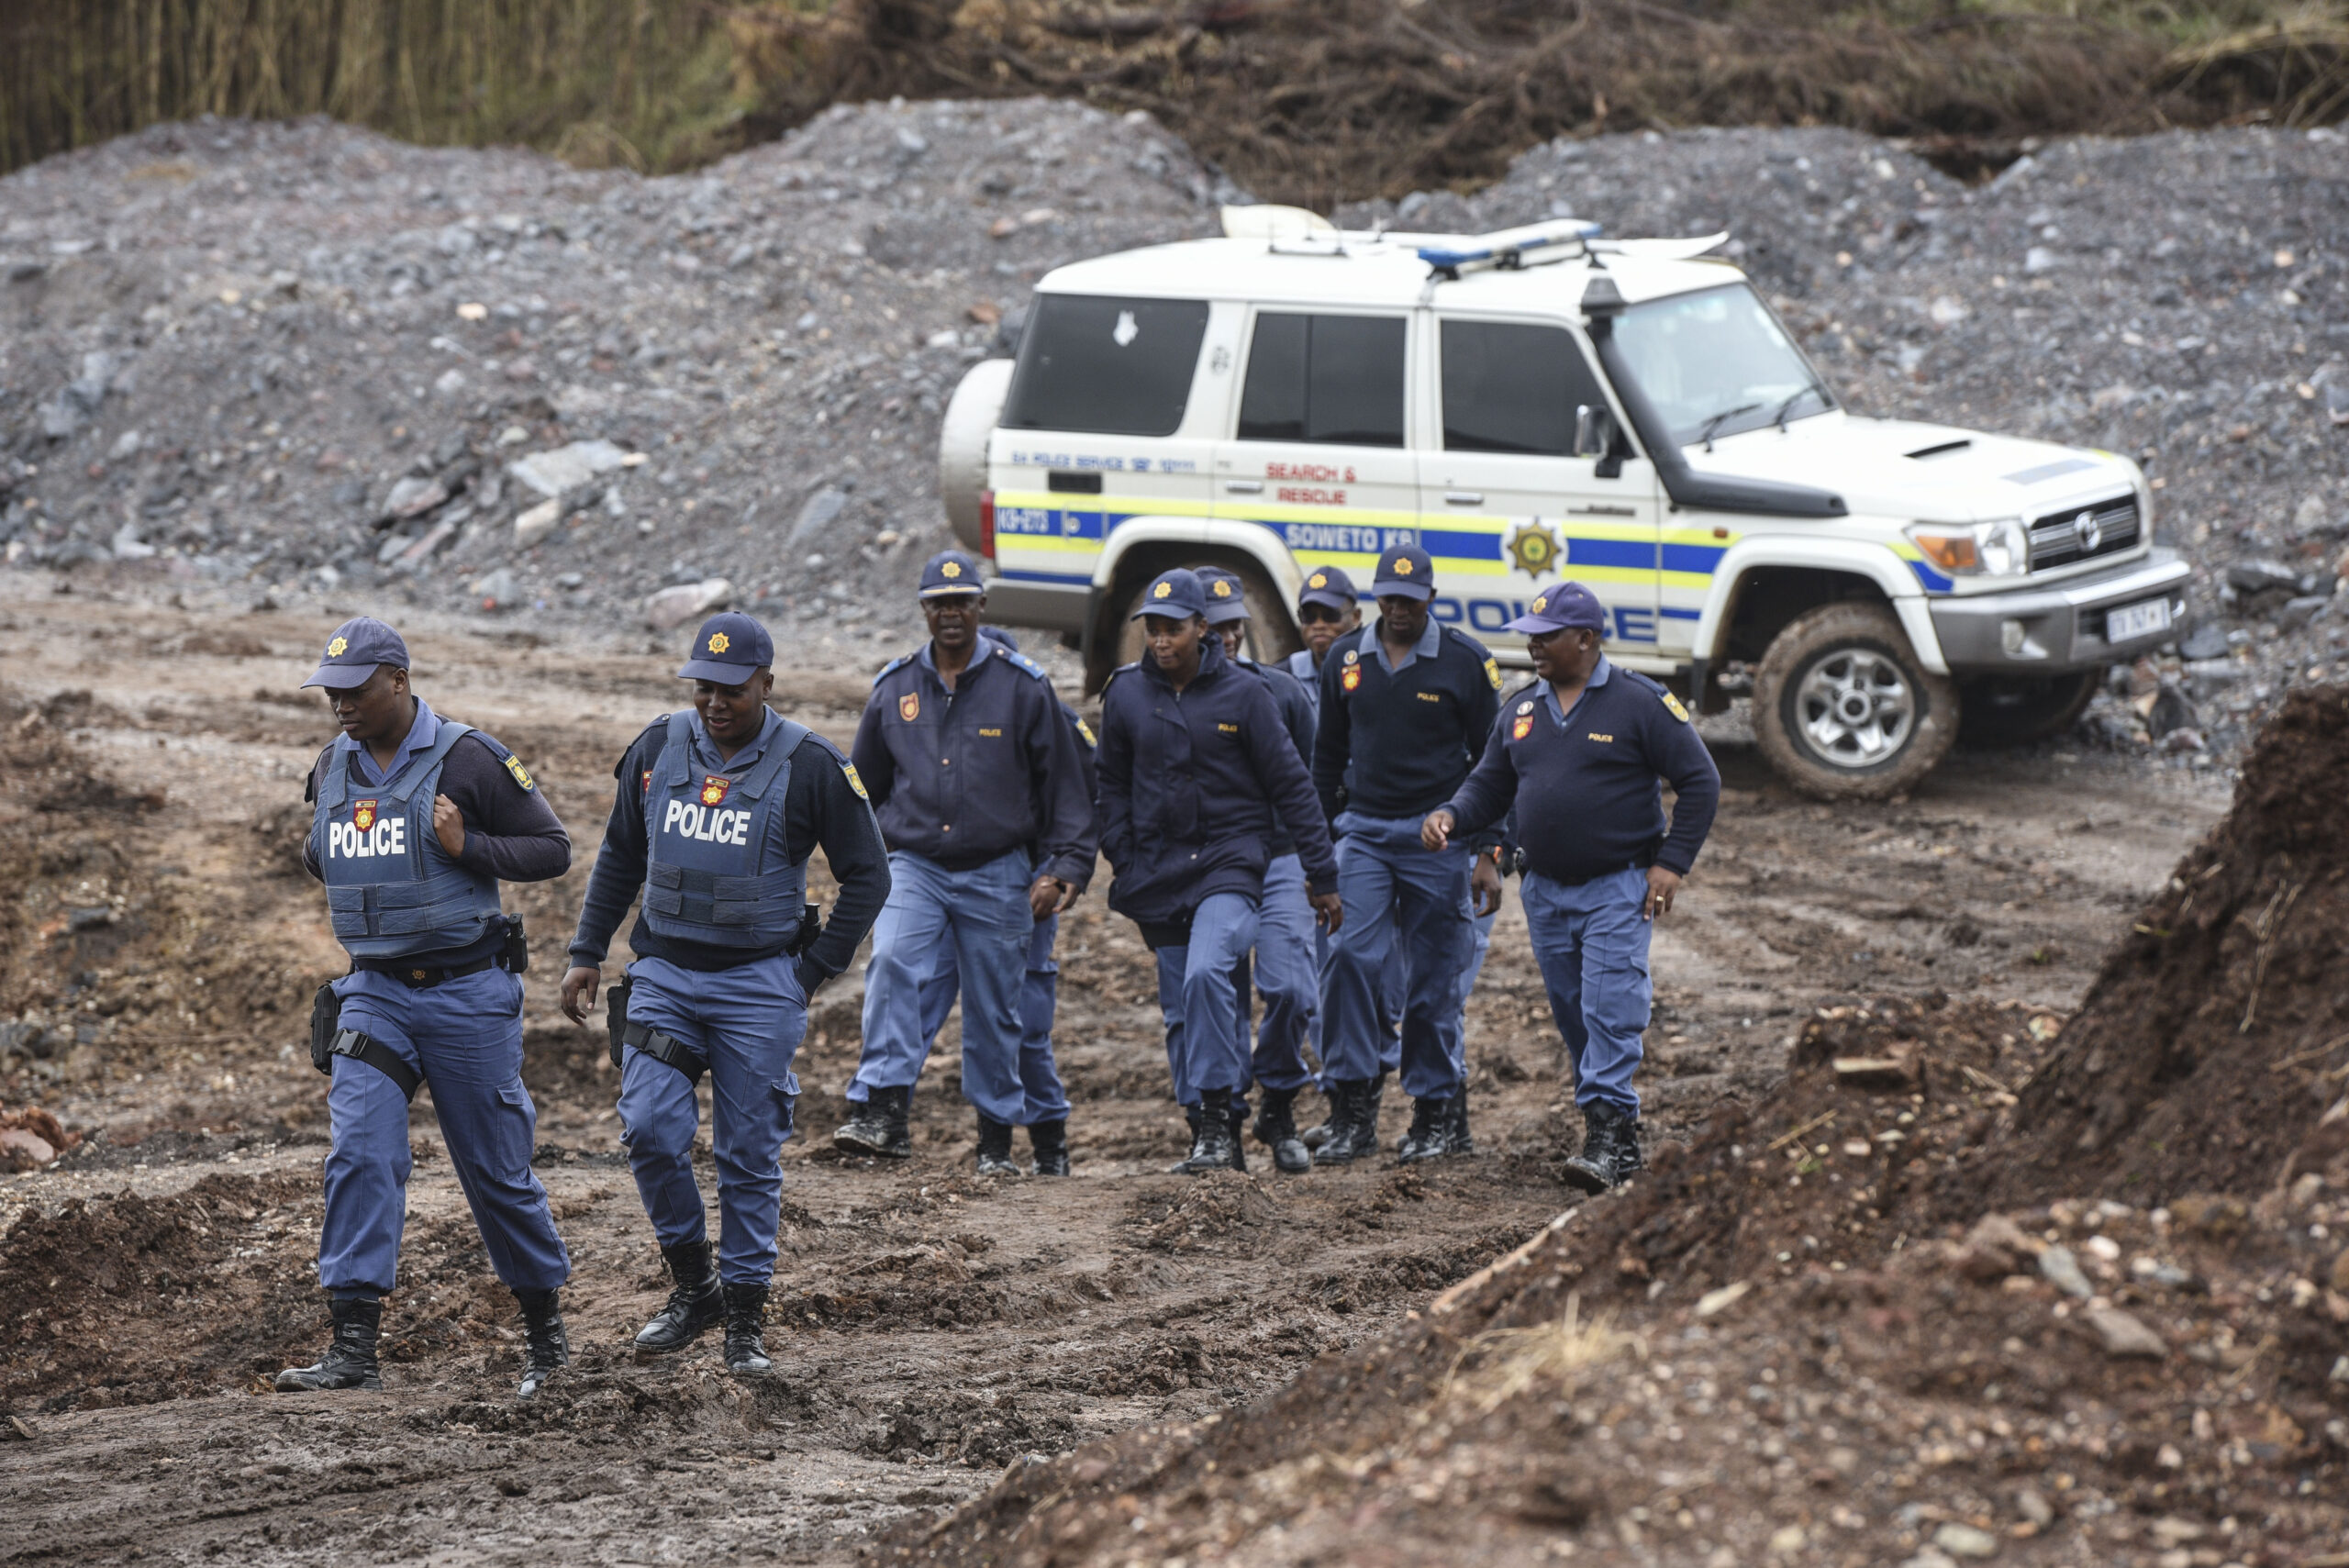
(1809, 641)
(2014, 710)
(1271, 635)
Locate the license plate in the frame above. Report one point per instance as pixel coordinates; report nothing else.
(2131, 621)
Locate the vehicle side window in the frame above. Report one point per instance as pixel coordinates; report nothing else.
(1325, 378)
(1513, 387)
(1102, 366)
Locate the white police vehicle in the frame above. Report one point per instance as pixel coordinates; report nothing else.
(1544, 402)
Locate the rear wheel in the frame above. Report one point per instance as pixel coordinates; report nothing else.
(2015, 710)
(1843, 710)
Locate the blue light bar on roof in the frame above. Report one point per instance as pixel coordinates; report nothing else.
(1506, 245)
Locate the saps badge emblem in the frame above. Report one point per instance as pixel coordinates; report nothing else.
(338, 647)
(1671, 706)
(713, 789)
(1522, 727)
(909, 706)
(1349, 677)
(719, 642)
(1493, 673)
(362, 814)
(521, 774)
(854, 781)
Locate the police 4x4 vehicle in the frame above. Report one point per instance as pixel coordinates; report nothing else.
(1545, 403)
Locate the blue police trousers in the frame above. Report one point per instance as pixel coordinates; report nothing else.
(1406, 908)
(1593, 950)
(745, 1024)
(1390, 997)
(983, 914)
(466, 1037)
(1043, 1098)
(1287, 976)
(1199, 990)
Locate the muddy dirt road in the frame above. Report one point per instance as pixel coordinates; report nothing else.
(156, 957)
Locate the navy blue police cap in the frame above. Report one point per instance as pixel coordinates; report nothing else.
(1175, 594)
(1558, 607)
(1329, 586)
(354, 650)
(729, 649)
(1227, 595)
(950, 573)
(1404, 570)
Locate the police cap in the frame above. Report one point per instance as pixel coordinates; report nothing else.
(1175, 594)
(1227, 595)
(1558, 607)
(1329, 586)
(729, 649)
(951, 572)
(354, 650)
(1406, 571)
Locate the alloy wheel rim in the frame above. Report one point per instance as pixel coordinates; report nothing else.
(1855, 708)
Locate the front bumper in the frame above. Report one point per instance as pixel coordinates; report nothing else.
(2062, 623)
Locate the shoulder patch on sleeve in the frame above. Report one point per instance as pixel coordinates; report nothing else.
(1084, 733)
(521, 774)
(848, 771)
(1021, 662)
(513, 764)
(1671, 706)
(1493, 672)
(894, 665)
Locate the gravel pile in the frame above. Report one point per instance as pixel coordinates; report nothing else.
(2179, 298)
(303, 359)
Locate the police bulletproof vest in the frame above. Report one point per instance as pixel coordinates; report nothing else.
(716, 872)
(391, 888)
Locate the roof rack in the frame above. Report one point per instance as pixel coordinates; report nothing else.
(1512, 248)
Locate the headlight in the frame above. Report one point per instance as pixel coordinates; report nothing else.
(1979, 550)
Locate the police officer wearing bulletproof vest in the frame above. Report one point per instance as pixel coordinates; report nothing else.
(1287, 970)
(416, 820)
(976, 773)
(1044, 1096)
(1197, 776)
(716, 812)
(1577, 753)
(1405, 707)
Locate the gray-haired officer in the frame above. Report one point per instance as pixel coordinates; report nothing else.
(716, 812)
(416, 820)
(1577, 753)
(976, 771)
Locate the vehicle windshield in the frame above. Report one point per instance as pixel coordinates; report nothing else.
(1717, 363)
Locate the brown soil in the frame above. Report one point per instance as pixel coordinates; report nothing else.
(934, 1328)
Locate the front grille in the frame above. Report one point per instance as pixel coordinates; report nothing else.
(2056, 539)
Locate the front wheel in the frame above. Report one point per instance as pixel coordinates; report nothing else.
(2015, 710)
(1843, 710)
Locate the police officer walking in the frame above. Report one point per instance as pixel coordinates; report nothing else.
(1286, 971)
(1045, 1098)
(976, 773)
(716, 812)
(1327, 609)
(1577, 753)
(1197, 773)
(416, 820)
(1406, 709)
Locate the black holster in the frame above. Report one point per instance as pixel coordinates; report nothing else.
(811, 925)
(329, 1040)
(325, 1016)
(616, 1015)
(516, 953)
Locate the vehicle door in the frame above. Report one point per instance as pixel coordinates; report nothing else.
(1510, 484)
(1101, 425)
(1319, 453)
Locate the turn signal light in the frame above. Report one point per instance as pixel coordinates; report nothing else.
(1951, 552)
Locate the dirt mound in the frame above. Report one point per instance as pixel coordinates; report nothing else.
(1223, 1211)
(2217, 1033)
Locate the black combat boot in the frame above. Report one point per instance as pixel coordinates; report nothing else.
(1277, 1130)
(693, 1306)
(1211, 1141)
(746, 1322)
(544, 1345)
(350, 1360)
(1439, 1126)
(1236, 1114)
(995, 1148)
(1610, 1150)
(1049, 1140)
(1353, 1136)
(1181, 1167)
(878, 1125)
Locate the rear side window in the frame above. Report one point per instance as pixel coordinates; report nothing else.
(1325, 378)
(1110, 367)
(1512, 387)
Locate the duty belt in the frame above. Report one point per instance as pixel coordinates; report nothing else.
(417, 979)
(361, 1047)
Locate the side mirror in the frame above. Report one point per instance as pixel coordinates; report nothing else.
(1596, 436)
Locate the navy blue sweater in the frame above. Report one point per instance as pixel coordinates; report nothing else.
(963, 776)
(1398, 745)
(1584, 788)
(1297, 714)
(1193, 786)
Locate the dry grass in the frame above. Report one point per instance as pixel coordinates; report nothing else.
(1503, 1365)
(1309, 101)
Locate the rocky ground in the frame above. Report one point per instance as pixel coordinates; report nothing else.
(156, 958)
(295, 362)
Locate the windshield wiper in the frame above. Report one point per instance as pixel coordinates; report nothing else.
(1705, 431)
(1779, 418)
